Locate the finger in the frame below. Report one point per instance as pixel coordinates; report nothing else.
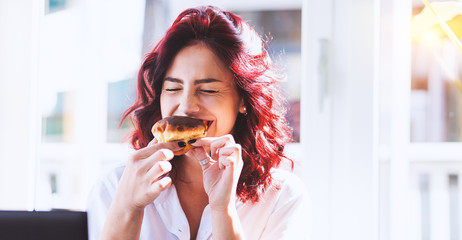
(204, 142)
(202, 157)
(227, 162)
(161, 155)
(146, 164)
(231, 168)
(229, 153)
(160, 185)
(219, 143)
(159, 169)
(207, 141)
(153, 141)
(230, 149)
(154, 147)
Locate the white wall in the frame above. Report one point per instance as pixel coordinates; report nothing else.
(17, 69)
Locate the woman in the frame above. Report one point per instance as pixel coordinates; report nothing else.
(210, 65)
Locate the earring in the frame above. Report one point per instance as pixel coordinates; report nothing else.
(245, 111)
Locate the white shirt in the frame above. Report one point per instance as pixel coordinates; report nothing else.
(280, 214)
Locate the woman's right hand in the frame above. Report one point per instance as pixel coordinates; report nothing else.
(139, 186)
(140, 183)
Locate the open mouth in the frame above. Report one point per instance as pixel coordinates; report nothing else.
(207, 124)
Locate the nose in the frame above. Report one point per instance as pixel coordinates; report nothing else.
(189, 104)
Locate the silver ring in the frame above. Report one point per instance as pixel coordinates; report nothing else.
(203, 162)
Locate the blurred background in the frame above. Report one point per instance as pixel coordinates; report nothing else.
(374, 91)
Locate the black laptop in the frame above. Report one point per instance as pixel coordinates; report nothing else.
(49, 225)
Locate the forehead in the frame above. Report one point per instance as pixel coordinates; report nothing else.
(198, 62)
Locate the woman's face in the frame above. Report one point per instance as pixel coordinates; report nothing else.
(199, 85)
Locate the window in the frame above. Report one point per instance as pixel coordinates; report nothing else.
(55, 5)
(119, 98)
(57, 117)
(436, 103)
(89, 57)
(420, 141)
(435, 121)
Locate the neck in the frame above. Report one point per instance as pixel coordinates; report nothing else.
(189, 172)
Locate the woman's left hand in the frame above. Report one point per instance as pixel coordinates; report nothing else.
(221, 169)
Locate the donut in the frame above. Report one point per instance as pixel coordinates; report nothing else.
(182, 129)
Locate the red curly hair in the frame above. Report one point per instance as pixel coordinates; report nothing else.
(263, 131)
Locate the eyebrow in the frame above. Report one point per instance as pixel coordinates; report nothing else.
(196, 82)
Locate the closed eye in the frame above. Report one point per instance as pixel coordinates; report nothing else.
(172, 89)
(209, 91)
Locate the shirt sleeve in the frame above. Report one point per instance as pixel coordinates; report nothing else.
(291, 217)
(98, 203)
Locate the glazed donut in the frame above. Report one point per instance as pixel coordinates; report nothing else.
(179, 128)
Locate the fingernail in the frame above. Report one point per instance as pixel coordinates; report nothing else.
(181, 144)
(168, 154)
(165, 166)
(192, 141)
(164, 181)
